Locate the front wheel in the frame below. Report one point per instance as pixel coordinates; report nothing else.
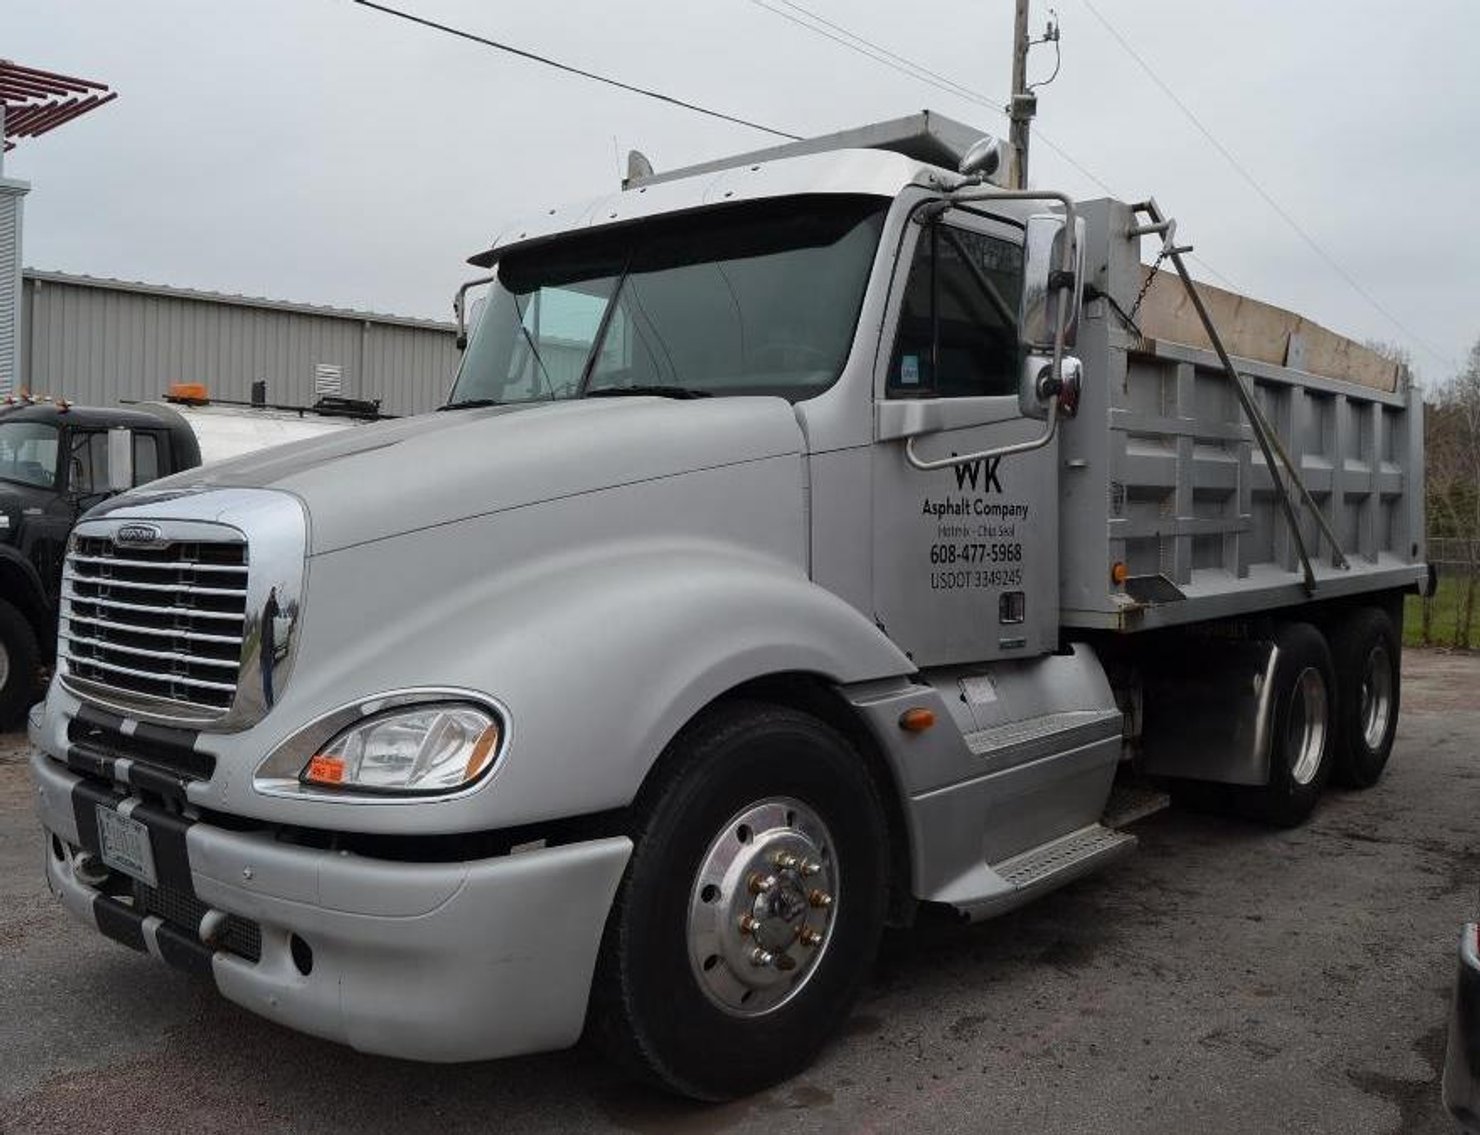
(751, 909)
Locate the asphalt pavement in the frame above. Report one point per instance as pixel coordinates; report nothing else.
(1226, 978)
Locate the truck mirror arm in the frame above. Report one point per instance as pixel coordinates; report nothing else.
(459, 306)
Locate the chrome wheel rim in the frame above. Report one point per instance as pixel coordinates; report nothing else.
(1307, 728)
(1376, 697)
(762, 907)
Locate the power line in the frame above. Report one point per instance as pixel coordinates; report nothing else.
(909, 66)
(570, 70)
(1259, 189)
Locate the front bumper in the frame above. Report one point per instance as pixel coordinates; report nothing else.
(1462, 1060)
(424, 961)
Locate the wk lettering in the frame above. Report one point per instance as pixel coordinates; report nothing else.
(980, 475)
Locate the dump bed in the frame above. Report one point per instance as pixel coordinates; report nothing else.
(1161, 470)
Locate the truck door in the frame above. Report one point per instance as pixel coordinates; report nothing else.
(965, 558)
(39, 516)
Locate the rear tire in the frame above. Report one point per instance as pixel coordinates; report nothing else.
(1369, 684)
(1302, 739)
(19, 657)
(749, 793)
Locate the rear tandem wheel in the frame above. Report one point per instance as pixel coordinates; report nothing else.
(1365, 648)
(1302, 741)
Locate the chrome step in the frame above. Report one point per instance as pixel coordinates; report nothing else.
(1025, 876)
(1065, 857)
(1016, 742)
(1129, 803)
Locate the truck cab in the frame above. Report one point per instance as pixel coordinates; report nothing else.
(54, 466)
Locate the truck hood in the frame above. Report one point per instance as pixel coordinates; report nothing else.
(387, 478)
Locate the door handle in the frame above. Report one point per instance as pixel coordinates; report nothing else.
(926, 465)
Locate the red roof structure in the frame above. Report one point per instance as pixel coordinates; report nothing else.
(36, 101)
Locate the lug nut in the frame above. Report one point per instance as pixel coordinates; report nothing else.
(748, 925)
(811, 937)
(759, 957)
(785, 861)
(810, 867)
(820, 899)
(762, 884)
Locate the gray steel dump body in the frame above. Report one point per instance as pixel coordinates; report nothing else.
(1161, 471)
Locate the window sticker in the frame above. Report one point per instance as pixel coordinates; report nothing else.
(909, 370)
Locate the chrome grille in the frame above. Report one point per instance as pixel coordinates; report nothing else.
(165, 621)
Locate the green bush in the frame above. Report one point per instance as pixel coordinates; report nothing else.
(1444, 616)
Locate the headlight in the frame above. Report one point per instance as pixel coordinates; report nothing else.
(429, 748)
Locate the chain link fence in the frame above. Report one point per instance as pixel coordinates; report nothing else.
(1449, 616)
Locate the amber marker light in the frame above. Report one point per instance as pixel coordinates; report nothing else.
(191, 393)
(483, 752)
(1119, 573)
(917, 720)
(325, 770)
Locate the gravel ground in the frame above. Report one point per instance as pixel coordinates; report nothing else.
(1224, 979)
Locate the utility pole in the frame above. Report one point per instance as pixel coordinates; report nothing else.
(1024, 102)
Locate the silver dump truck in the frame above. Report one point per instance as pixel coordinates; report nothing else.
(808, 537)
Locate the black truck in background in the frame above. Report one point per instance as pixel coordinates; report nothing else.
(54, 466)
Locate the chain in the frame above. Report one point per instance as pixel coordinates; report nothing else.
(1146, 284)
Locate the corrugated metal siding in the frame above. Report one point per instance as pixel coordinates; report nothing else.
(98, 344)
(10, 281)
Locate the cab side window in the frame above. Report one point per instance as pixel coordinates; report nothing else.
(958, 333)
(146, 458)
(88, 463)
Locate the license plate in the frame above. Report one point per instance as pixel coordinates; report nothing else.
(125, 845)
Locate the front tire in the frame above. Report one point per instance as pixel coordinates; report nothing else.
(1369, 681)
(751, 909)
(18, 662)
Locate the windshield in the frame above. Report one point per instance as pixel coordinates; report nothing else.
(752, 299)
(28, 453)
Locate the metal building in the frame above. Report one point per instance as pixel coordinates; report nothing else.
(99, 341)
(32, 102)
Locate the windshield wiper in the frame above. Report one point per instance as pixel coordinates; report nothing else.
(471, 404)
(658, 391)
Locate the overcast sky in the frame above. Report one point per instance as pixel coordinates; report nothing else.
(319, 151)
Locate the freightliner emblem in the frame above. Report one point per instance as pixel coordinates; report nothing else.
(137, 534)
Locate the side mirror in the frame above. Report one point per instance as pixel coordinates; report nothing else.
(1050, 308)
(120, 459)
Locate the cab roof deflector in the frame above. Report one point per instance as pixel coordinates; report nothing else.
(924, 137)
